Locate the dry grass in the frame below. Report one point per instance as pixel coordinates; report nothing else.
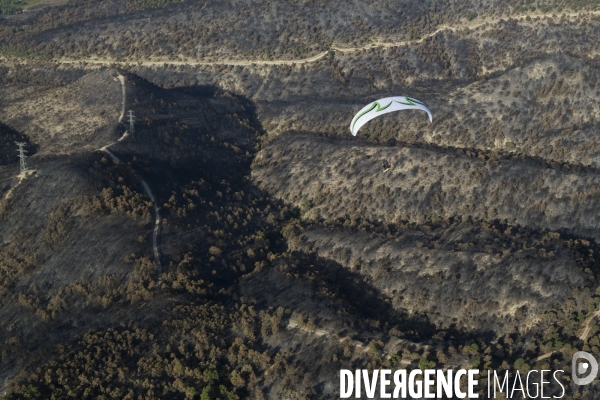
(75, 118)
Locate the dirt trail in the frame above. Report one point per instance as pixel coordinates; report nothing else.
(543, 356)
(9, 192)
(196, 63)
(478, 22)
(585, 332)
(121, 79)
(20, 177)
(156, 230)
(583, 336)
(587, 325)
(105, 149)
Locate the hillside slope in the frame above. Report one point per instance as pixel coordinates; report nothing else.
(289, 249)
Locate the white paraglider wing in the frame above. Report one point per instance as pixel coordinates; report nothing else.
(384, 106)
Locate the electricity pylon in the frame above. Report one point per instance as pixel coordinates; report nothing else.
(131, 120)
(22, 156)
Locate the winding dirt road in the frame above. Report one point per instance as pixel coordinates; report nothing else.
(478, 22)
(156, 230)
(105, 149)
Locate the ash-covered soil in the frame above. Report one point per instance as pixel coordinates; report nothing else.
(79, 117)
(290, 249)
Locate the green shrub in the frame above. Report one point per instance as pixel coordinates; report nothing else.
(471, 15)
(11, 6)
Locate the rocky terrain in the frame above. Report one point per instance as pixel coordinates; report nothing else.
(240, 243)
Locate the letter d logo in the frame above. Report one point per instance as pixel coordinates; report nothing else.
(581, 367)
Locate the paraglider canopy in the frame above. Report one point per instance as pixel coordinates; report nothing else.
(384, 106)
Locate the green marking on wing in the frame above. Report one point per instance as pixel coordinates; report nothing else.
(363, 113)
(411, 102)
(376, 104)
(416, 101)
(379, 108)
